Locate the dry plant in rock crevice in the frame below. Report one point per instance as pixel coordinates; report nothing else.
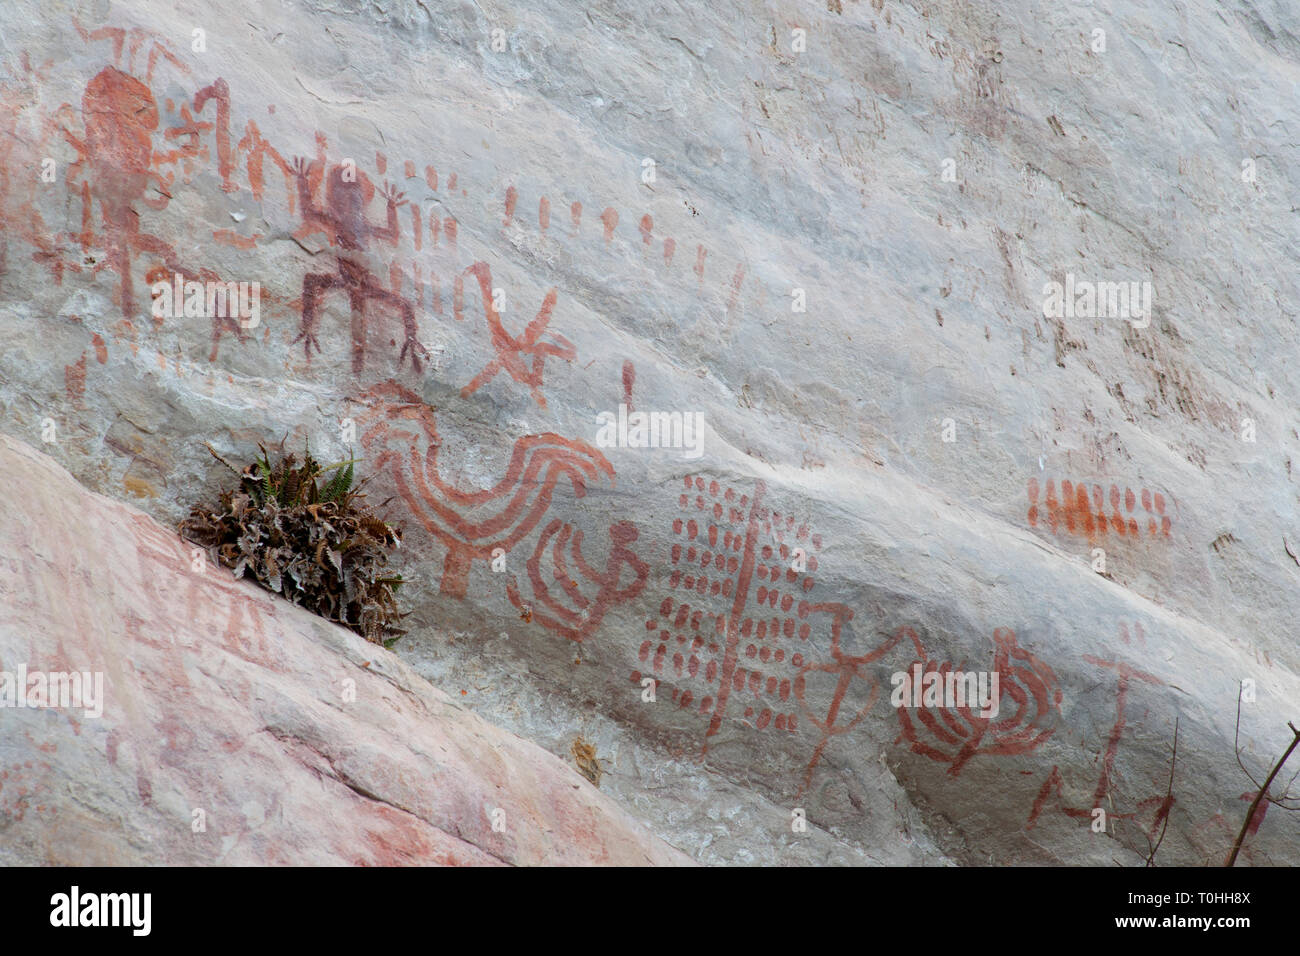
(314, 542)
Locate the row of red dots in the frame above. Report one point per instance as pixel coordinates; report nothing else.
(690, 666)
(701, 584)
(727, 562)
(765, 717)
(757, 682)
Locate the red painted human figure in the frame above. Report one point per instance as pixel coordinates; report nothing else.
(348, 192)
(115, 167)
(845, 668)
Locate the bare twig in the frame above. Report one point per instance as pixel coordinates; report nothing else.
(1254, 804)
(1236, 742)
(1236, 746)
(1166, 807)
(1287, 792)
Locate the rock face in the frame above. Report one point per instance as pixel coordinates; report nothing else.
(230, 727)
(817, 247)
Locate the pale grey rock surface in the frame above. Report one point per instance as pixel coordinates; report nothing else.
(228, 727)
(1166, 157)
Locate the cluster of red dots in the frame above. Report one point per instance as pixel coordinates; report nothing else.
(718, 552)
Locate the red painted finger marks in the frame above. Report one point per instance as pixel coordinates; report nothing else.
(736, 281)
(1081, 510)
(955, 734)
(1138, 635)
(512, 199)
(578, 595)
(401, 438)
(629, 380)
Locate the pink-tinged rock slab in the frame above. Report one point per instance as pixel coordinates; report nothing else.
(299, 742)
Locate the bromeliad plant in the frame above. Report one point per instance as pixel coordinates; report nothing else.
(302, 532)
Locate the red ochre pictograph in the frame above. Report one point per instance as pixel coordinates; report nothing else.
(716, 555)
(1125, 676)
(953, 735)
(1077, 511)
(134, 150)
(402, 441)
(118, 170)
(609, 220)
(844, 668)
(740, 635)
(20, 129)
(343, 220)
(512, 351)
(563, 607)
(25, 787)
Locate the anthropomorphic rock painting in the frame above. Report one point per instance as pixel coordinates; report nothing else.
(1126, 677)
(344, 221)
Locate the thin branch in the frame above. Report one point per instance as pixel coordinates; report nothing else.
(1168, 805)
(1236, 742)
(1254, 804)
(1288, 784)
(1286, 795)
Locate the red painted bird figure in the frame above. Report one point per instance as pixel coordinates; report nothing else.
(403, 442)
